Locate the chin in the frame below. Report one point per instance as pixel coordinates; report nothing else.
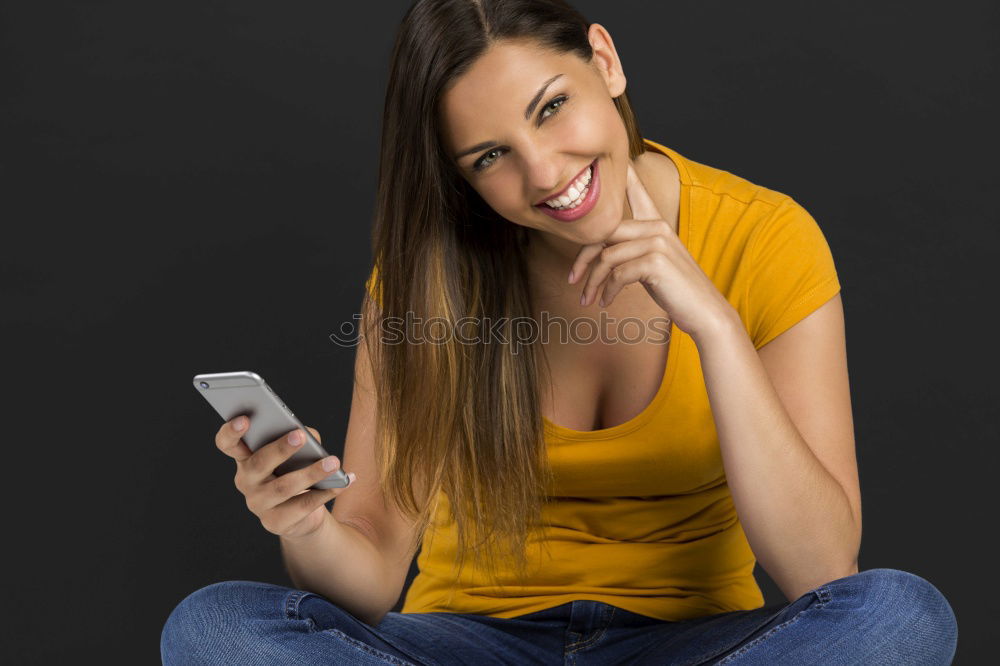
(597, 230)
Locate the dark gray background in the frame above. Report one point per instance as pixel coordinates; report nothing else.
(188, 187)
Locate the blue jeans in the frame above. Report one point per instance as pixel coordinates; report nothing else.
(878, 616)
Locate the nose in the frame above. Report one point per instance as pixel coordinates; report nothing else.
(544, 172)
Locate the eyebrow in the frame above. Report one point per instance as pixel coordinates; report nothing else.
(527, 114)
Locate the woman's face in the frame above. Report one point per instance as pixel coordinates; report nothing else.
(520, 161)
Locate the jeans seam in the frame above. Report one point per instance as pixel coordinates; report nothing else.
(576, 647)
(823, 594)
(292, 604)
(364, 647)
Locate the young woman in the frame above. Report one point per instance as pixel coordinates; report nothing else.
(636, 388)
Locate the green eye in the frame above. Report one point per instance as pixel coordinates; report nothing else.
(561, 99)
(479, 165)
(482, 164)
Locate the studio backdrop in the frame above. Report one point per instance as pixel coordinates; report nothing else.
(189, 187)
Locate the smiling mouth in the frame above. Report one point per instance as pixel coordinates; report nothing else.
(586, 189)
(582, 182)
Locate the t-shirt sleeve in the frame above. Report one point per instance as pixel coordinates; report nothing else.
(791, 272)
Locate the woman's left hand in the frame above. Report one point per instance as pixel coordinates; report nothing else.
(646, 250)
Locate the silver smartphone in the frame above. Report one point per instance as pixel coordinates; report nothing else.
(245, 393)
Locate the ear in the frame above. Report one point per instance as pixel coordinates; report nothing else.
(606, 59)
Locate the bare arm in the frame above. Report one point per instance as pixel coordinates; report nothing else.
(360, 557)
(785, 427)
(340, 563)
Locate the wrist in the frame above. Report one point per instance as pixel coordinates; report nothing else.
(318, 534)
(723, 326)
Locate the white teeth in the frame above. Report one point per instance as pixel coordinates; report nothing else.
(574, 195)
(574, 202)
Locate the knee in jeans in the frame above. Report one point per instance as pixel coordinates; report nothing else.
(213, 610)
(905, 602)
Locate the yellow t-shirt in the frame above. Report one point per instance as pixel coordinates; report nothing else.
(640, 515)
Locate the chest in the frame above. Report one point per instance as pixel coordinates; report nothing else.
(594, 385)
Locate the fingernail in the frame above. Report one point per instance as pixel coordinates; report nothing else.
(240, 423)
(330, 464)
(583, 298)
(296, 439)
(351, 476)
(571, 277)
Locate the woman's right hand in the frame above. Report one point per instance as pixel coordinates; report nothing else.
(286, 505)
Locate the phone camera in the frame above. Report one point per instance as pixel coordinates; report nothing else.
(204, 384)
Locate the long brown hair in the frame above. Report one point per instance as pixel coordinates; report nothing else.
(455, 417)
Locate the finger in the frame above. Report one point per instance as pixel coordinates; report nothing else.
(611, 257)
(280, 489)
(586, 255)
(265, 459)
(625, 273)
(627, 230)
(315, 433)
(639, 200)
(632, 229)
(227, 439)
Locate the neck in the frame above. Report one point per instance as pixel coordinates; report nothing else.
(548, 249)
